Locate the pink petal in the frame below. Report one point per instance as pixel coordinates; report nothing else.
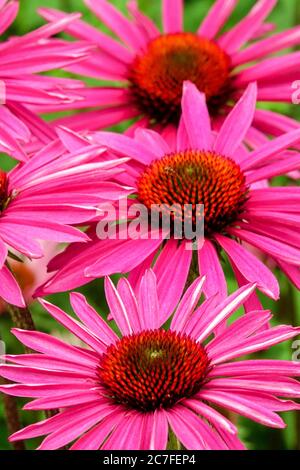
(292, 272)
(8, 15)
(122, 27)
(74, 327)
(123, 258)
(182, 136)
(269, 67)
(153, 140)
(39, 376)
(194, 111)
(156, 431)
(38, 391)
(3, 253)
(92, 319)
(210, 267)
(41, 229)
(128, 436)
(173, 264)
(251, 267)
(238, 404)
(261, 341)
(192, 431)
(235, 333)
(283, 166)
(42, 361)
(271, 148)
(81, 30)
(187, 305)
(237, 123)
(274, 384)
(9, 288)
(93, 439)
(46, 344)
(172, 15)
(73, 429)
(35, 124)
(126, 146)
(130, 302)
(216, 18)
(244, 30)
(56, 422)
(148, 302)
(223, 311)
(264, 366)
(270, 246)
(63, 401)
(145, 24)
(99, 119)
(213, 416)
(117, 308)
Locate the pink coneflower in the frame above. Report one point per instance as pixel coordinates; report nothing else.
(42, 198)
(22, 59)
(152, 65)
(128, 391)
(198, 166)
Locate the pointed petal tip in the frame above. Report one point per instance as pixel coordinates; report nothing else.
(190, 87)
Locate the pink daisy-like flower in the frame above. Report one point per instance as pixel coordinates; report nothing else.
(59, 186)
(128, 391)
(21, 88)
(152, 65)
(198, 166)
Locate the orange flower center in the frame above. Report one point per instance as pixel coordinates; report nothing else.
(153, 369)
(157, 75)
(196, 177)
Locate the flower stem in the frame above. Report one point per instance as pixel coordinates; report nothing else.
(21, 317)
(12, 417)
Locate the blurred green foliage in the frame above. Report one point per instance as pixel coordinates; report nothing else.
(287, 310)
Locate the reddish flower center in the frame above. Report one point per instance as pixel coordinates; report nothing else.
(158, 74)
(195, 177)
(3, 188)
(153, 369)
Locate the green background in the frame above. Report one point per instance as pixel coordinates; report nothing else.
(287, 310)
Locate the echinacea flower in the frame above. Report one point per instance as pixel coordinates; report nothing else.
(22, 60)
(148, 67)
(198, 166)
(60, 186)
(128, 391)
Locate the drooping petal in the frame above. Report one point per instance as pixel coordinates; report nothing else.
(250, 266)
(9, 288)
